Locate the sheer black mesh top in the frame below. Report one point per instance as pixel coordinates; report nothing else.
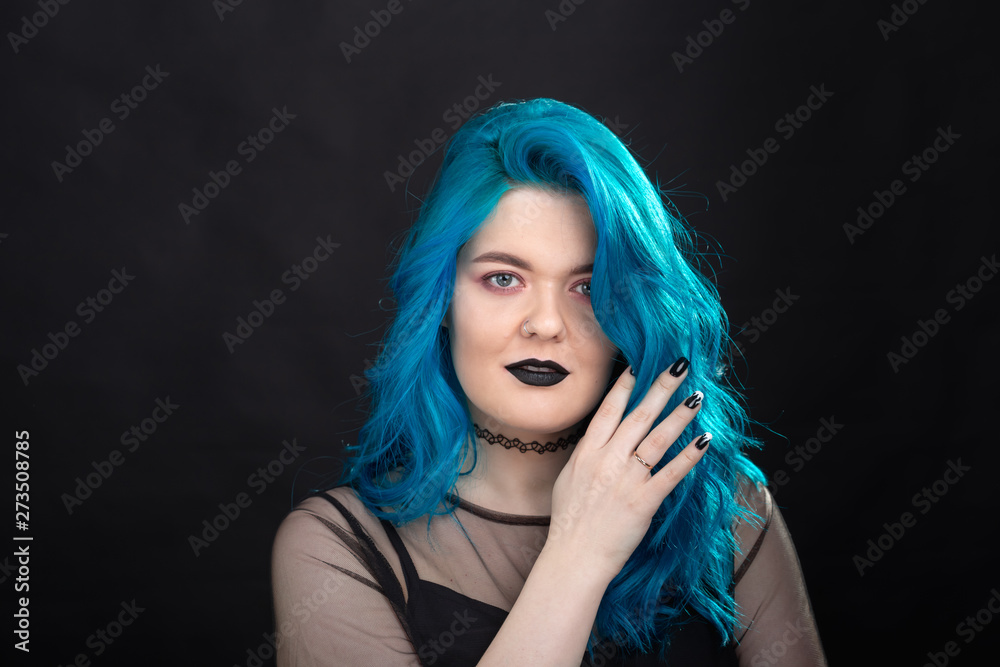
(353, 590)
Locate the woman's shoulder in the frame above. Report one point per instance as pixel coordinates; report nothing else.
(340, 502)
(335, 516)
(337, 584)
(755, 497)
(751, 524)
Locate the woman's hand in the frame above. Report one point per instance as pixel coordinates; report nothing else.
(604, 499)
(602, 504)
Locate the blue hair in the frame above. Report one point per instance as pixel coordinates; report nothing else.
(650, 300)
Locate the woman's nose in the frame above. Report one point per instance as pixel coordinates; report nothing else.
(545, 317)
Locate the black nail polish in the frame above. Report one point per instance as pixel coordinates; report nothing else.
(631, 370)
(703, 441)
(694, 400)
(679, 367)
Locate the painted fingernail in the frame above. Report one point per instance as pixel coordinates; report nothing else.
(679, 367)
(694, 400)
(631, 370)
(703, 441)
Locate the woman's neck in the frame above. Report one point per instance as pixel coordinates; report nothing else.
(512, 481)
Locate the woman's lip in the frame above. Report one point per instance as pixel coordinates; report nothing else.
(539, 366)
(545, 378)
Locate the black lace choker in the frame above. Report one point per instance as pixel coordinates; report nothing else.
(534, 446)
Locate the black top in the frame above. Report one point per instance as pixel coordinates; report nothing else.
(449, 628)
(353, 590)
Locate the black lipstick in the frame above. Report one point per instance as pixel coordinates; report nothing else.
(538, 373)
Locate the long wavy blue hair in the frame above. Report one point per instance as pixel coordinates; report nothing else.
(650, 300)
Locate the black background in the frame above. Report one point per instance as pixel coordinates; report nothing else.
(324, 176)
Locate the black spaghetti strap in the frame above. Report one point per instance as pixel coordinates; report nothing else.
(760, 538)
(367, 552)
(322, 494)
(386, 579)
(409, 570)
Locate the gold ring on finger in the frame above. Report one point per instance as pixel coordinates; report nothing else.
(639, 459)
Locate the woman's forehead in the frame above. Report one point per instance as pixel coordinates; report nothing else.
(525, 213)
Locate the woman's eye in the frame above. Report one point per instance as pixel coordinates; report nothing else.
(586, 288)
(501, 280)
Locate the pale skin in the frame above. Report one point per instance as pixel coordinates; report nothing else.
(600, 497)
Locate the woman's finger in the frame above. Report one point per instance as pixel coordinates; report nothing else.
(609, 414)
(635, 427)
(669, 476)
(655, 445)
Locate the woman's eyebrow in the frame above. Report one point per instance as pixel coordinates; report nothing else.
(514, 260)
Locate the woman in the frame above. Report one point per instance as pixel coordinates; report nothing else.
(516, 496)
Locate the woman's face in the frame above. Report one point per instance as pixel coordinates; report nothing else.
(532, 260)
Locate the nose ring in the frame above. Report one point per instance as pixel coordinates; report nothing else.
(524, 328)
